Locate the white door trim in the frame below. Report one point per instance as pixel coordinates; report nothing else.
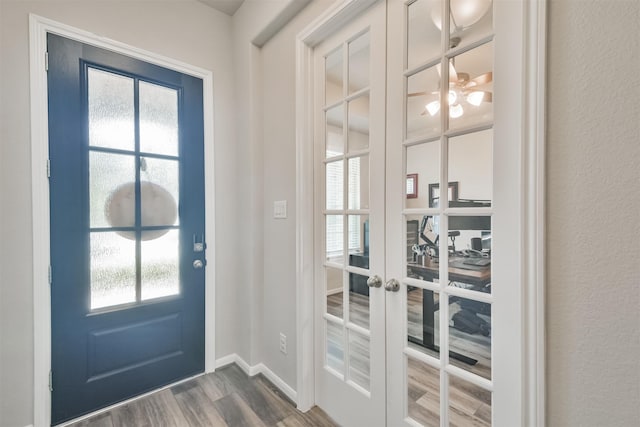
(332, 19)
(38, 29)
(533, 254)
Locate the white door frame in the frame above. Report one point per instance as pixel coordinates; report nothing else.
(533, 199)
(38, 29)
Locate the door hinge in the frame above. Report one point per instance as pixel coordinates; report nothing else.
(46, 61)
(50, 380)
(50, 276)
(48, 168)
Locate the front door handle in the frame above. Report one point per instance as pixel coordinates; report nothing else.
(392, 285)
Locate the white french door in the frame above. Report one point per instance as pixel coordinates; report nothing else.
(349, 175)
(418, 156)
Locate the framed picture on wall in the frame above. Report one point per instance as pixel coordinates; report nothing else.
(434, 193)
(412, 186)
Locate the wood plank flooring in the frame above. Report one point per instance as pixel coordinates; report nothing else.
(225, 398)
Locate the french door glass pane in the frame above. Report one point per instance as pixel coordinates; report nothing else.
(358, 181)
(334, 131)
(423, 392)
(423, 320)
(469, 405)
(470, 264)
(112, 190)
(359, 63)
(113, 269)
(470, 335)
(423, 103)
(424, 160)
(471, 87)
(335, 185)
(423, 41)
(358, 300)
(358, 118)
(359, 240)
(335, 347)
(335, 293)
(158, 119)
(334, 77)
(160, 263)
(471, 164)
(469, 21)
(111, 110)
(423, 239)
(335, 235)
(359, 360)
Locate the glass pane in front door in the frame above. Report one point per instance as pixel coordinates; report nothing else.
(134, 198)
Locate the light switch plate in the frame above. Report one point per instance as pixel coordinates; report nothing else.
(280, 209)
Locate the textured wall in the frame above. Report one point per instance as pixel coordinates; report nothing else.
(593, 213)
(182, 29)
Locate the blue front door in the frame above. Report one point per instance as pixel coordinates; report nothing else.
(126, 144)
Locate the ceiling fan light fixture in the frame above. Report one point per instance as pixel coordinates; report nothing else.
(433, 108)
(456, 111)
(475, 98)
(464, 13)
(453, 97)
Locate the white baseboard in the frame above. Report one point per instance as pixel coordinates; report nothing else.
(278, 382)
(334, 291)
(260, 368)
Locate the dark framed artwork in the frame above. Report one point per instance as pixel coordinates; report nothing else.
(412, 186)
(434, 193)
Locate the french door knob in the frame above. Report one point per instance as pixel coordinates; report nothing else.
(392, 285)
(374, 281)
(198, 264)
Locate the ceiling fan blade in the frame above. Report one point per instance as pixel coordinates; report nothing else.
(482, 79)
(417, 94)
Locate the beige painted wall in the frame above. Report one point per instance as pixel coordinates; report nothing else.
(279, 183)
(182, 29)
(593, 213)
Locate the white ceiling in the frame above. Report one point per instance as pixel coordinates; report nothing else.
(225, 6)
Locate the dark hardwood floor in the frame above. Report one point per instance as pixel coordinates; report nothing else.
(227, 397)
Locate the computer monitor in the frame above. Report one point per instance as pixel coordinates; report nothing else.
(486, 240)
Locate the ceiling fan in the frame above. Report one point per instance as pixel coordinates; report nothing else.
(461, 88)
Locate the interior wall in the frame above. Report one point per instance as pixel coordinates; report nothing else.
(593, 212)
(470, 165)
(185, 30)
(279, 183)
(253, 24)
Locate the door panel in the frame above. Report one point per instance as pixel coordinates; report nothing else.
(127, 205)
(349, 153)
(454, 358)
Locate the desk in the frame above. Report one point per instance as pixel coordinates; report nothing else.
(478, 277)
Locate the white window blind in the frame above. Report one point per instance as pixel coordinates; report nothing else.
(335, 201)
